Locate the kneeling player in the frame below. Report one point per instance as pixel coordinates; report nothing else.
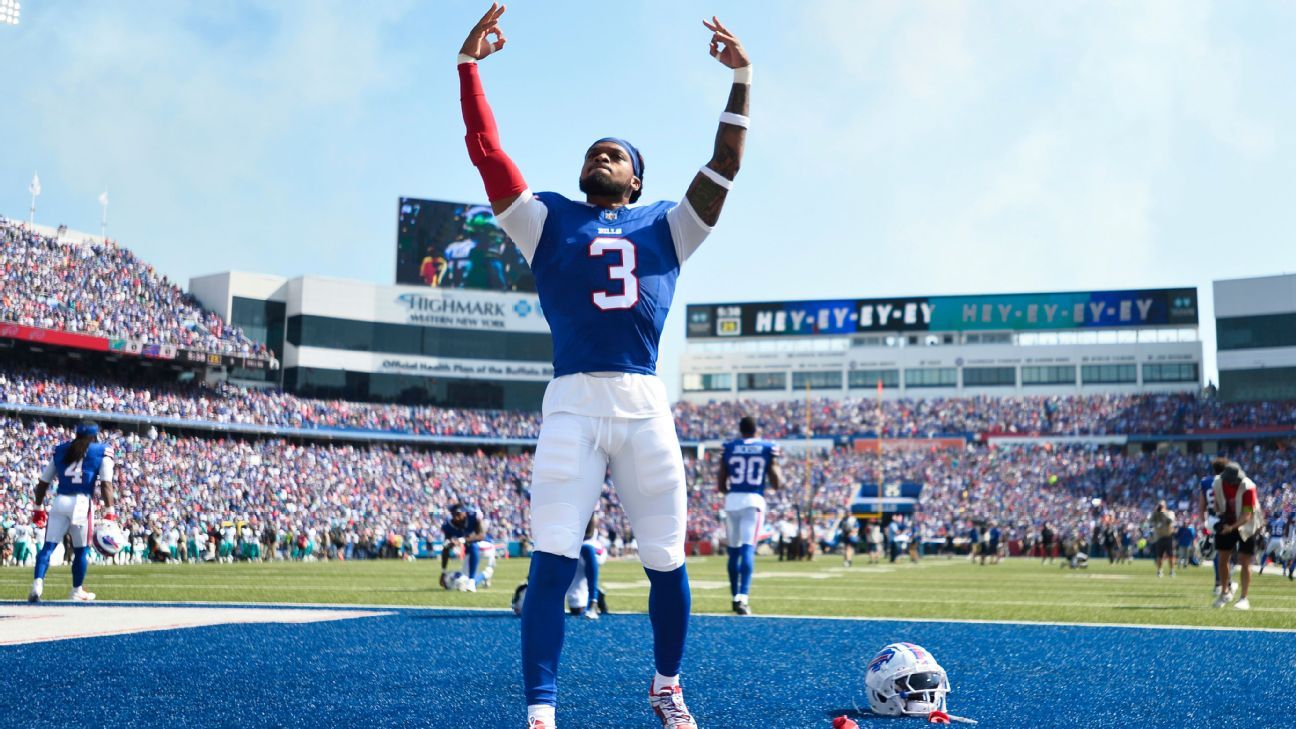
(467, 529)
(583, 596)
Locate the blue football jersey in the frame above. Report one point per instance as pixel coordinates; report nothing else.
(1207, 485)
(455, 531)
(605, 279)
(79, 477)
(748, 461)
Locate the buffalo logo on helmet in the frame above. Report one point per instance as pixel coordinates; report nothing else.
(881, 659)
(904, 679)
(108, 539)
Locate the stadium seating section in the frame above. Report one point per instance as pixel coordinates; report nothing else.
(381, 492)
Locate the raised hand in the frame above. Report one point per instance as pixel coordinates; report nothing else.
(478, 44)
(725, 46)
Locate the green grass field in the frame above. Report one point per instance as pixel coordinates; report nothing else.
(1018, 590)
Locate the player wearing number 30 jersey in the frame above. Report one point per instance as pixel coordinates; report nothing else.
(746, 466)
(605, 270)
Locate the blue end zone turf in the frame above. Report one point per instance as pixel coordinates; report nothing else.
(442, 668)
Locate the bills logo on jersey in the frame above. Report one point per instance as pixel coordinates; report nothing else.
(881, 660)
(608, 216)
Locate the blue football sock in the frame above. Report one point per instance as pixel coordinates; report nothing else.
(470, 549)
(735, 554)
(43, 559)
(669, 602)
(589, 556)
(80, 563)
(747, 566)
(543, 621)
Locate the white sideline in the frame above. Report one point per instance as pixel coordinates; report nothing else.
(49, 621)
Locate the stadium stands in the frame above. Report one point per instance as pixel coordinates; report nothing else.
(379, 493)
(1163, 415)
(382, 491)
(103, 289)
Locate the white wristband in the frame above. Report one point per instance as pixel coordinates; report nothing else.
(465, 58)
(716, 177)
(743, 75)
(737, 120)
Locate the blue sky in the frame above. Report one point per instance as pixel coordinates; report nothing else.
(897, 148)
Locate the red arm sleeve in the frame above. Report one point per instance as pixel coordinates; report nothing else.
(501, 176)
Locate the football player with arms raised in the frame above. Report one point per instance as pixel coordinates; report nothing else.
(605, 271)
(78, 466)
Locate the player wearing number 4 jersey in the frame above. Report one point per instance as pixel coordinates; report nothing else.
(78, 466)
(605, 271)
(746, 465)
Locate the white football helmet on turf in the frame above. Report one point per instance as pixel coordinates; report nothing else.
(108, 538)
(904, 679)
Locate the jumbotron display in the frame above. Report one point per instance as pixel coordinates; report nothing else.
(456, 245)
(1012, 312)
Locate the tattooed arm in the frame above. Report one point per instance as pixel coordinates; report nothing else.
(707, 193)
(692, 220)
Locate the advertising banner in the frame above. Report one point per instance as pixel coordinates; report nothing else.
(423, 366)
(999, 312)
(53, 336)
(124, 346)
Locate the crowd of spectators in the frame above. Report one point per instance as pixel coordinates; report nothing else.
(380, 494)
(1077, 489)
(224, 403)
(1025, 415)
(105, 290)
(1070, 415)
(375, 495)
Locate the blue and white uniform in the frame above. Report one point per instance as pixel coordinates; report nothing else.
(472, 550)
(593, 554)
(1207, 486)
(471, 525)
(606, 279)
(747, 462)
(72, 510)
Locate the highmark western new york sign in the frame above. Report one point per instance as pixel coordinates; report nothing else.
(1046, 311)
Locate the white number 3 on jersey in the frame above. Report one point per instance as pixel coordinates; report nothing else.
(624, 272)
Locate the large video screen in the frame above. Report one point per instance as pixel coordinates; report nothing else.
(457, 246)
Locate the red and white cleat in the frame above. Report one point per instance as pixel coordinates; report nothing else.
(80, 595)
(538, 723)
(668, 705)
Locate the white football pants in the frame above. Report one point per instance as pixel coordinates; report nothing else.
(572, 457)
(70, 513)
(742, 526)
